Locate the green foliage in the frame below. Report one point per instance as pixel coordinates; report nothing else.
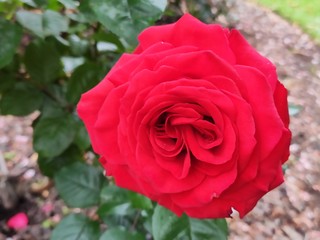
(52, 51)
(43, 24)
(127, 18)
(42, 62)
(9, 41)
(21, 99)
(54, 135)
(82, 79)
(118, 233)
(76, 227)
(167, 226)
(51, 165)
(79, 185)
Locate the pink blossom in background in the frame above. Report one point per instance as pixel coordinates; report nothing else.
(18, 221)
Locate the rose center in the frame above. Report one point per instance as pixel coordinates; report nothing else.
(184, 126)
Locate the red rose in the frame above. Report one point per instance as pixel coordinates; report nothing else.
(194, 118)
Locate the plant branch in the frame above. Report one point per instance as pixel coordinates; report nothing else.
(135, 221)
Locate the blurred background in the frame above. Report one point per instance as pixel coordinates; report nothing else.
(53, 50)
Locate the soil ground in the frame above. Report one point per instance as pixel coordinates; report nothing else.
(291, 211)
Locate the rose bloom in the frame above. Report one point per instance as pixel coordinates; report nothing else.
(194, 119)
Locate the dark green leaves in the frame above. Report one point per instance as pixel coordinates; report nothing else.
(83, 78)
(10, 35)
(122, 207)
(42, 62)
(126, 18)
(215, 229)
(21, 100)
(7, 81)
(120, 234)
(71, 4)
(50, 166)
(53, 23)
(42, 25)
(113, 193)
(79, 185)
(167, 226)
(76, 227)
(31, 21)
(54, 135)
(82, 138)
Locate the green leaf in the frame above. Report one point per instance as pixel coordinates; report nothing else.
(215, 229)
(78, 46)
(7, 81)
(120, 234)
(9, 7)
(31, 21)
(51, 109)
(82, 79)
(69, 4)
(114, 214)
(22, 100)
(54, 135)
(113, 208)
(79, 185)
(167, 226)
(31, 3)
(127, 18)
(9, 40)
(50, 166)
(108, 37)
(139, 201)
(54, 23)
(113, 193)
(76, 227)
(82, 139)
(86, 14)
(46, 24)
(42, 61)
(41, 3)
(58, 93)
(121, 207)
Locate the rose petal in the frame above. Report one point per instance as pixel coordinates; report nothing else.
(162, 180)
(104, 128)
(198, 65)
(246, 55)
(208, 37)
(179, 166)
(217, 208)
(123, 176)
(210, 188)
(268, 123)
(89, 107)
(279, 95)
